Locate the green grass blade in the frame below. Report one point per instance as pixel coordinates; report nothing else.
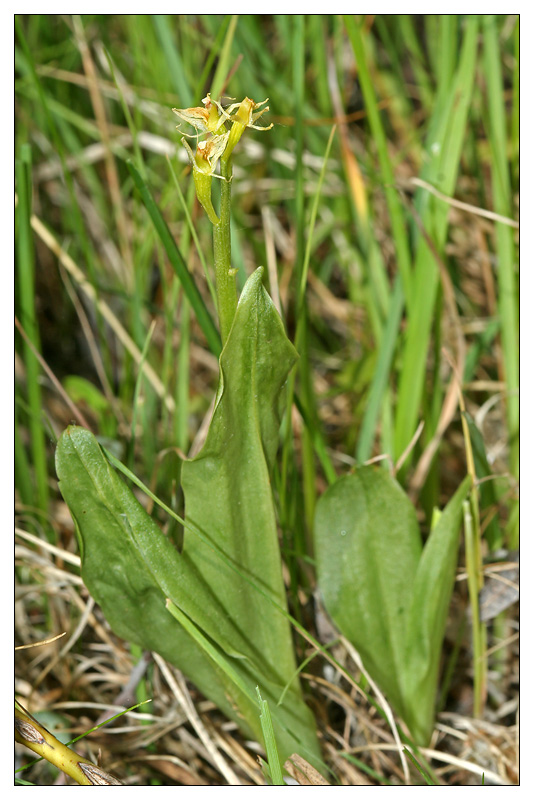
(224, 63)
(507, 275)
(128, 117)
(176, 69)
(28, 318)
(448, 132)
(273, 759)
(212, 55)
(214, 653)
(318, 443)
(23, 478)
(426, 776)
(175, 257)
(447, 49)
(398, 224)
(381, 374)
(486, 489)
(137, 406)
(192, 230)
(514, 125)
(54, 133)
(473, 563)
(365, 768)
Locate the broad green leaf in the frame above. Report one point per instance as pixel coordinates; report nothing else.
(427, 619)
(228, 495)
(117, 572)
(227, 486)
(228, 628)
(385, 593)
(367, 546)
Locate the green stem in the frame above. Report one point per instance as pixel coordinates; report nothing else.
(474, 583)
(224, 278)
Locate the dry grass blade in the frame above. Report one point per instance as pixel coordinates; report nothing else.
(70, 558)
(104, 309)
(385, 706)
(179, 690)
(61, 391)
(303, 772)
(111, 167)
(481, 212)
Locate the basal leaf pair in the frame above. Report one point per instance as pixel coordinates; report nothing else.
(387, 593)
(226, 584)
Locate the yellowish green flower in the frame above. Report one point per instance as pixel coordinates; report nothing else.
(204, 162)
(244, 118)
(205, 120)
(210, 120)
(208, 153)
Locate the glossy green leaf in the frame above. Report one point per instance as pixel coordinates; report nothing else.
(386, 594)
(234, 634)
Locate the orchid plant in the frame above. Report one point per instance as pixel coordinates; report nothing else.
(217, 609)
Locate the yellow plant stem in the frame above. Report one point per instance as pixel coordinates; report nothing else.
(31, 734)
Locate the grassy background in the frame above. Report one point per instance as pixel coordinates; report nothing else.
(386, 287)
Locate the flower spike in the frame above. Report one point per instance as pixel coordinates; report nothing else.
(210, 121)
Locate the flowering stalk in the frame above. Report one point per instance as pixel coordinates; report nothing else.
(222, 251)
(219, 144)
